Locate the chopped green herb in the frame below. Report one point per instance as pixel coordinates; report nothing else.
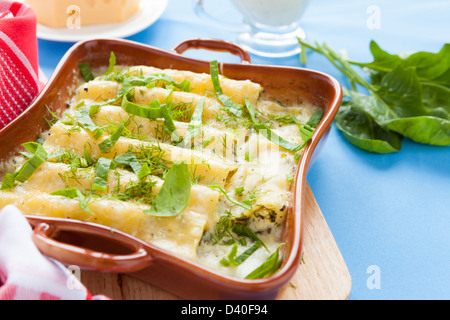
(208, 141)
(244, 204)
(238, 191)
(112, 63)
(153, 80)
(86, 71)
(154, 112)
(83, 117)
(36, 157)
(140, 191)
(195, 124)
(74, 193)
(243, 230)
(129, 159)
(8, 182)
(230, 106)
(54, 117)
(101, 174)
(268, 267)
(108, 143)
(269, 134)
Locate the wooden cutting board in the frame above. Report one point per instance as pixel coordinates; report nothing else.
(322, 275)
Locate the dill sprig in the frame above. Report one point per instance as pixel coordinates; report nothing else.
(139, 191)
(154, 157)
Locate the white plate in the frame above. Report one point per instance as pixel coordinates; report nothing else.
(149, 12)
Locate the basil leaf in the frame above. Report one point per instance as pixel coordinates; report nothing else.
(224, 99)
(195, 124)
(108, 143)
(73, 193)
(101, 174)
(246, 205)
(86, 71)
(155, 112)
(175, 192)
(268, 267)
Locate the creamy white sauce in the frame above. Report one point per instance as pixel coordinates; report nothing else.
(263, 170)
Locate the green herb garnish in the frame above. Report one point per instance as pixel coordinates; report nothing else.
(230, 106)
(101, 174)
(86, 71)
(175, 192)
(129, 159)
(36, 157)
(269, 134)
(268, 267)
(195, 124)
(73, 193)
(108, 143)
(112, 63)
(83, 117)
(154, 112)
(244, 204)
(153, 80)
(407, 96)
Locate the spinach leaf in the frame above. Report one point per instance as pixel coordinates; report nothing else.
(152, 80)
(83, 117)
(229, 105)
(129, 159)
(244, 204)
(112, 63)
(74, 193)
(108, 143)
(175, 192)
(268, 267)
(360, 129)
(243, 230)
(270, 135)
(408, 96)
(101, 174)
(86, 71)
(430, 67)
(154, 112)
(195, 124)
(36, 157)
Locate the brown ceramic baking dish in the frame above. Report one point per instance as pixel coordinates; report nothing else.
(95, 247)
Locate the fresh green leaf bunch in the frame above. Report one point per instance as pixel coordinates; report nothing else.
(407, 96)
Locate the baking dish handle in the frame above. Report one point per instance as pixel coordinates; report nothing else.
(214, 45)
(130, 258)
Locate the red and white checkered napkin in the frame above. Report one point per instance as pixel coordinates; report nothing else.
(26, 274)
(20, 79)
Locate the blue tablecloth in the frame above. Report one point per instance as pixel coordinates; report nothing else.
(389, 214)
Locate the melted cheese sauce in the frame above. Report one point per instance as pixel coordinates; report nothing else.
(228, 153)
